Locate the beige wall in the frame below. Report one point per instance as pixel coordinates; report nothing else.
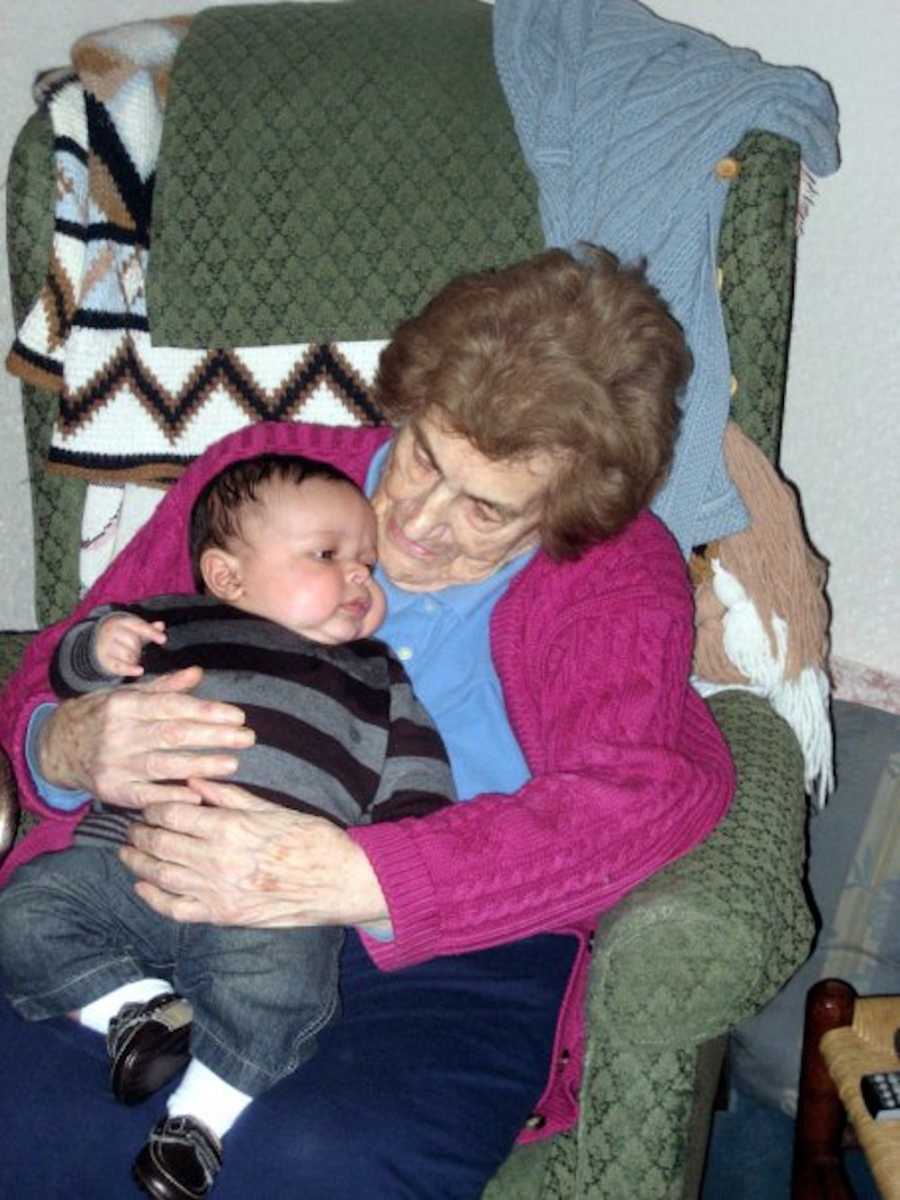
(841, 441)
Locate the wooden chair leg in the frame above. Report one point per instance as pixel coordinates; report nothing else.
(9, 806)
(818, 1172)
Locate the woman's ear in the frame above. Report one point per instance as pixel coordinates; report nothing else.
(221, 573)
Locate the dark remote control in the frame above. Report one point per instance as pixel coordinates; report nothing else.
(881, 1092)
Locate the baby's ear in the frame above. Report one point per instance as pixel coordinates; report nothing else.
(221, 573)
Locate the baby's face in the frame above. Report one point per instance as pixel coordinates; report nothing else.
(305, 559)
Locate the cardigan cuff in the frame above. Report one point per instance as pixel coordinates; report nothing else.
(406, 884)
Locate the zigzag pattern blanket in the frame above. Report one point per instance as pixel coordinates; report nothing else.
(128, 409)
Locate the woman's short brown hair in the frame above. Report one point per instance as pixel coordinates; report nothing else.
(552, 354)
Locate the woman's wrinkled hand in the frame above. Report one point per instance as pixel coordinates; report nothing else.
(239, 860)
(131, 746)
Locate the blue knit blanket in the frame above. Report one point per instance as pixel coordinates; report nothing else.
(622, 117)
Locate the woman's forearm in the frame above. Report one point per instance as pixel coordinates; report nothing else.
(60, 799)
(564, 849)
(59, 757)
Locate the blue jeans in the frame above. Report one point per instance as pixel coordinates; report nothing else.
(72, 929)
(417, 1092)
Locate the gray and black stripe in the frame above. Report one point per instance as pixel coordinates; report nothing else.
(339, 732)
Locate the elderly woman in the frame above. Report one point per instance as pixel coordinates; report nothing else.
(545, 618)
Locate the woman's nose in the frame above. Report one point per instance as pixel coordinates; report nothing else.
(426, 514)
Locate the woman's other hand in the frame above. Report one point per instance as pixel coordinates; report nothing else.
(239, 860)
(127, 745)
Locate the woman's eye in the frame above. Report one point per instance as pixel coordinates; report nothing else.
(421, 459)
(486, 516)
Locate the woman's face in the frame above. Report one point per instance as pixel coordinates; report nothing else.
(448, 515)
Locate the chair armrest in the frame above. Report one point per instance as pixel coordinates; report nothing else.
(57, 500)
(706, 941)
(12, 647)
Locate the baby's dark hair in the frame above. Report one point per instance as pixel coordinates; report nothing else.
(216, 515)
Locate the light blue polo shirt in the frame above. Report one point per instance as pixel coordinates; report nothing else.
(458, 685)
(443, 640)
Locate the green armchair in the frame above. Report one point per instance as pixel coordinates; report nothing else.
(707, 941)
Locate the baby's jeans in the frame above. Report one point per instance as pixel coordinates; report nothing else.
(73, 929)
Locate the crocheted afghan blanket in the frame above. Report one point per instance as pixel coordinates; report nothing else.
(133, 410)
(130, 411)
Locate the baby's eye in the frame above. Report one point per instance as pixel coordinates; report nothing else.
(324, 555)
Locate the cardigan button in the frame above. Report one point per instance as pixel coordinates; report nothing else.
(728, 169)
(536, 1121)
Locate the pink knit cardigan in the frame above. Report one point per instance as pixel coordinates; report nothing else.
(629, 770)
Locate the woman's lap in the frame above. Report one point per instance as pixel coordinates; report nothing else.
(417, 1090)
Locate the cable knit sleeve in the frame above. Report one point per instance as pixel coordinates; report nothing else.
(629, 770)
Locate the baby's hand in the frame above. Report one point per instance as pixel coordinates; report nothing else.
(120, 640)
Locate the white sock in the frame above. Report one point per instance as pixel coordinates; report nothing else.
(205, 1095)
(98, 1014)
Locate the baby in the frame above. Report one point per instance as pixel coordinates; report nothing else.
(283, 549)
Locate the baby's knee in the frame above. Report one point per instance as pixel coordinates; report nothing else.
(22, 931)
(37, 913)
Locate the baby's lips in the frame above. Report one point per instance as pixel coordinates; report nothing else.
(358, 607)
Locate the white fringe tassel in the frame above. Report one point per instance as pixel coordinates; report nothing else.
(802, 702)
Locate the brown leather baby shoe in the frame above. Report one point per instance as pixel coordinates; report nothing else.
(148, 1044)
(180, 1160)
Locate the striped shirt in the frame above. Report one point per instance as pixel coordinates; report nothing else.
(339, 732)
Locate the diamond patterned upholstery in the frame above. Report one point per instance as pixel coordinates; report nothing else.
(299, 266)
